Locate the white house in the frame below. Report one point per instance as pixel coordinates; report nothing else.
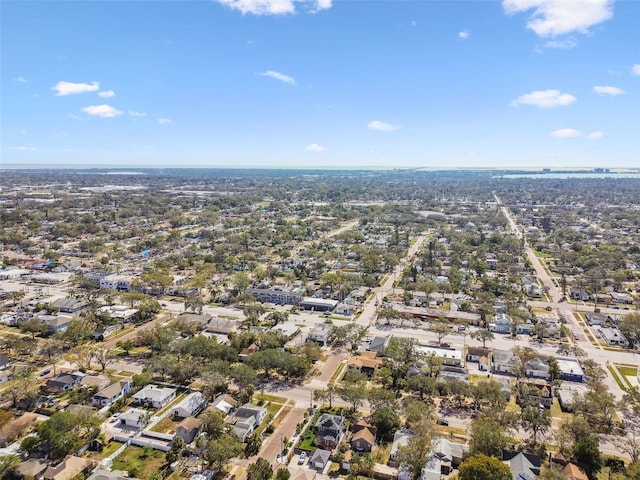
(111, 394)
(135, 417)
(154, 395)
(190, 406)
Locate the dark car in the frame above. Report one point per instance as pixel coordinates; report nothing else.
(45, 372)
(443, 344)
(443, 421)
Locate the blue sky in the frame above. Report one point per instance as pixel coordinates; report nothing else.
(321, 83)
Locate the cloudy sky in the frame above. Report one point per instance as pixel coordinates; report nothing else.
(321, 83)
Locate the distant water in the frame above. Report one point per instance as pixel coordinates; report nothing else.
(569, 175)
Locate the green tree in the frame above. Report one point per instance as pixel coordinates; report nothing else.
(488, 436)
(259, 470)
(587, 453)
(630, 327)
(177, 447)
(414, 454)
(283, 474)
(483, 335)
(34, 327)
(220, 450)
(386, 420)
(8, 463)
(535, 420)
(482, 467)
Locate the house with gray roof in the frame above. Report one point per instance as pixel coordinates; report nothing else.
(154, 395)
(111, 394)
(190, 406)
(329, 430)
(400, 439)
(246, 419)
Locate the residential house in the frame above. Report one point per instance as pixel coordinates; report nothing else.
(121, 313)
(366, 362)
(70, 305)
(501, 324)
(537, 368)
(363, 438)
(188, 429)
(135, 417)
(246, 419)
(190, 406)
(379, 344)
(621, 298)
(222, 326)
(613, 336)
(523, 465)
(30, 469)
(573, 472)
(474, 354)
(578, 294)
(224, 403)
(155, 396)
(450, 356)
(321, 333)
(69, 468)
(100, 474)
(534, 392)
(246, 352)
(111, 394)
(55, 323)
(63, 382)
(502, 361)
(329, 430)
(444, 457)
(596, 319)
(319, 459)
(104, 331)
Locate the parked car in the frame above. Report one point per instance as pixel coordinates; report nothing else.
(302, 458)
(45, 372)
(443, 421)
(444, 344)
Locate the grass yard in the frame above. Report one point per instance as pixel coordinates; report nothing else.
(106, 451)
(265, 397)
(284, 413)
(307, 443)
(141, 463)
(628, 370)
(166, 425)
(617, 378)
(337, 373)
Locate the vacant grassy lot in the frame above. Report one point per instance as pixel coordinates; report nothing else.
(141, 463)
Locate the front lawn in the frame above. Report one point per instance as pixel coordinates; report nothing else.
(141, 463)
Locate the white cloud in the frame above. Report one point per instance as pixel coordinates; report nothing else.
(607, 90)
(559, 17)
(464, 34)
(23, 149)
(68, 88)
(275, 7)
(322, 5)
(164, 121)
(107, 94)
(566, 133)
(544, 99)
(636, 69)
(20, 80)
(137, 114)
(564, 44)
(382, 126)
(314, 147)
(595, 135)
(104, 111)
(279, 76)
